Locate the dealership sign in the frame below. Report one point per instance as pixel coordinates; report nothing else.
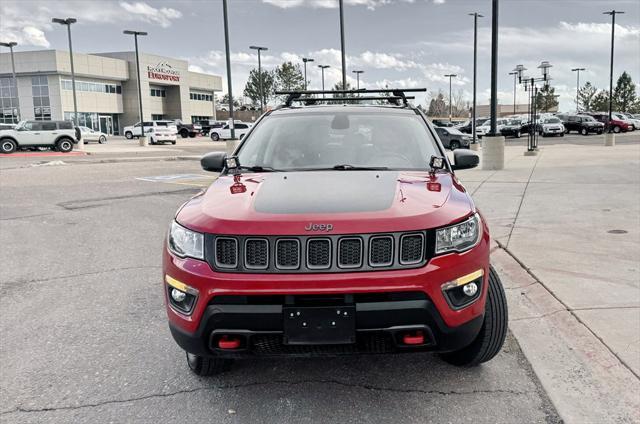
(163, 72)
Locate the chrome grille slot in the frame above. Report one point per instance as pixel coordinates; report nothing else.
(288, 253)
(319, 253)
(381, 251)
(256, 253)
(350, 252)
(411, 248)
(226, 252)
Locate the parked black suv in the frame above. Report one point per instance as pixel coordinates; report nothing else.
(209, 124)
(582, 124)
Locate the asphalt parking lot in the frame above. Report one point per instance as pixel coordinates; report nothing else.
(85, 337)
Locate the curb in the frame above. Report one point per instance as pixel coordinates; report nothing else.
(585, 381)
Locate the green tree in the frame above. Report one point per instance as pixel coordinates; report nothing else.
(338, 86)
(624, 95)
(585, 97)
(252, 88)
(288, 77)
(225, 101)
(546, 100)
(600, 101)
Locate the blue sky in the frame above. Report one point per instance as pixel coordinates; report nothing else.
(407, 43)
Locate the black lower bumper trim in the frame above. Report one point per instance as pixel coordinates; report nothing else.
(379, 326)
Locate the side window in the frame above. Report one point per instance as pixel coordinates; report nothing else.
(65, 125)
(137, 125)
(242, 126)
(28, 126)
(440, 131)
(226, 127)
(148, 124)
(36, 126)
(49, 126)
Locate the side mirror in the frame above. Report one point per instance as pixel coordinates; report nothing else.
(464, 159)
(213, 162)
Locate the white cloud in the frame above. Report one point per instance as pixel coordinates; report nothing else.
(27, 22)
(332, 4)
(439, 1)
(147, 13)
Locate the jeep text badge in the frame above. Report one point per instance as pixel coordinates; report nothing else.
(318, 227)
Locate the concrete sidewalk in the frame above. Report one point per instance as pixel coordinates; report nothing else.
(567, 229)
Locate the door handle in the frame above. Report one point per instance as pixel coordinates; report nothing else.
(36, 133)
(54, 133)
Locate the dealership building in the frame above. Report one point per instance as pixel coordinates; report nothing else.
(106, 89)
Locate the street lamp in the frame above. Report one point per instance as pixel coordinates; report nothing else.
(68, 22)
(578, 87)
(530, 86)
(135, 38)
(613, 28)
(11, 45)
(305, 60)
(259, 49)
(358, 78)
(515, 77)
(344, 66)
(450, 105)
(322, 68)
(229, 85)
(475, 66)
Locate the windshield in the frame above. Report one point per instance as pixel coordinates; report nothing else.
(553, 121)
(588, 119)
(296, 141)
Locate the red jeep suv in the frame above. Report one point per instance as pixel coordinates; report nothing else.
(333, 229)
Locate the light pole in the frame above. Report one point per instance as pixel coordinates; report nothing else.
(450, 105)
(515, 77)
(531, 87)
(475, 66)
(344, 66)
(613, 28)
(228, 54)
(11, 45)
(322, 68)
(68, 22)
(305, 60)
(135, 38)
(494, 68)
(578, 87)
(259, 49)
(358, 78)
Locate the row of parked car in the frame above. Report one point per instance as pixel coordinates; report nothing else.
(547, 125)
(166, 131)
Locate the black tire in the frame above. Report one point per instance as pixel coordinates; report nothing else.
(184, 133)
(64, 145)
(102, 139)
(616, 129)
(152, 141)
(599, 132)
(215, 136)
(192, 135)
(561, 134)
(173, 142)
(454, 145)
(518, 134)
(128, 135)
(207, 366)
(8, 146)
(584, 131)
(491, 337)
(567, 131)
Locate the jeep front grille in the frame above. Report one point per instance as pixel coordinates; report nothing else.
(381, 251)
(318, 254)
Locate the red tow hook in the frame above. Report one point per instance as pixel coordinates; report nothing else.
(416, 338)
(227, 342)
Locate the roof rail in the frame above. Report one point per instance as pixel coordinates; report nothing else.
(397, 94)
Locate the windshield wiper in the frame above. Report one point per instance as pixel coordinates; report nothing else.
(258, 168)
(347, 167)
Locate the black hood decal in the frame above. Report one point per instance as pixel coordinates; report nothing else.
(326, 192)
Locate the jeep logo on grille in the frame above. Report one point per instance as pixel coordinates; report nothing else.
(318, 227)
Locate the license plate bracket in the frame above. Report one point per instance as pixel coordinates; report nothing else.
(319, 325)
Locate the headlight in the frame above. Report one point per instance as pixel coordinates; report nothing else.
(459, 237)
(183, 242)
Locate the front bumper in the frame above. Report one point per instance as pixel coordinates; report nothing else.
(386, 303)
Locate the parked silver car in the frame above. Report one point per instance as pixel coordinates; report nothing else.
(452, 138)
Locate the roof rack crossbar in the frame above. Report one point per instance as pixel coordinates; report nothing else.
(397, 92)
(314, 100)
